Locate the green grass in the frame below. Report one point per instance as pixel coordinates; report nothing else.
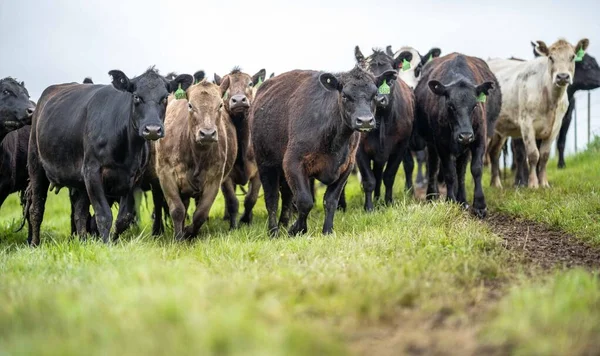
(243, 293)
(572, 203)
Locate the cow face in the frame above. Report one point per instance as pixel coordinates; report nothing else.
(149, 93)
(237, 88)
(16, 109)
(410, 73)
(357, 92)
(561, 57)
(461, 99)
(205, 108)
(377, 63)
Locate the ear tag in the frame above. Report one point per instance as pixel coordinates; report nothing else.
(180, 93)
(430, 58)
(405, 65)
(259, 83)
(384, 88)
(579, 56)
(226, 95)
(482, 98)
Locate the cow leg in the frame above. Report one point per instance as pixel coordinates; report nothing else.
(232, 203)
(203, 204)
(519, 157)
(158, 200)
(331, 198)
(368, 178)
(562, 135)
(409, 166)
(378, 174)
(300, 185)
(95, 190)
(38, 191)
(533, 154)
(448, 163)
(269, 177)
(479, 205)
(286, 204)
(80, 212)
(461, 168)
(126, 215)
(494, 150)
(250, 200)
(389, 176)
(432, 171)
(421, 163)
(543, 162)
(177, 207)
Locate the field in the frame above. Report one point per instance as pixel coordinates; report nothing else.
(413, 278)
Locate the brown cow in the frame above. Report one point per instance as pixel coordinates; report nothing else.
(305, 125)
(196, 154)
(239, 89)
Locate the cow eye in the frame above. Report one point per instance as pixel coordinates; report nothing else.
(551, 58)
(165, 100)
(136, 99)
(250, 84)
(6, 92)
(572, 57)
(344, 97)
(451, 106)
(190, 108)
(220, 106)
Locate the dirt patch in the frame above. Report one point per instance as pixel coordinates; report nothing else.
(542, 246)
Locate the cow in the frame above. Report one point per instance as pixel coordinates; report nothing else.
(386, 145)
(410, 72)
(535, 101)
(305, 124)
(16, 109)
(13, 162)
(94, 138)
(239, 89)
(587, 77)
(195, 155)
(455, 105)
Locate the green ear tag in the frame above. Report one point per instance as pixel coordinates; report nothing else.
(482, 98)
(384, 88)
(259, 83)
(405, 65)
(430, 58)
(180, 93)
(580, 55)
(226, 95)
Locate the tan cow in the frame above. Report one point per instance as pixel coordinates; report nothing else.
(534, 101)
(196, 154)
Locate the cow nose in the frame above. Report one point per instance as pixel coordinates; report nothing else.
(465, 137)
(563, 77)
(208, 134)
(152, 132)
(365, 123)
(30, 112)
(382, 101)
(238, 101)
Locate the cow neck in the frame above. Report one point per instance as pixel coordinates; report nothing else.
(135, 143)
(338, 131)
(242, 131)
(555, 92)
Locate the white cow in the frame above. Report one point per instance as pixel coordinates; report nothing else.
(534, 101)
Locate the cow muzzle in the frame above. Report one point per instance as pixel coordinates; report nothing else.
(207, 136)
(364, 123)
(238, 103)
(562, 79)
(153, 132)
(465, 137)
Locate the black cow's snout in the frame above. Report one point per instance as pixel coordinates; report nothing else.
(365, 123)
(238, 102)
(208, 135)
(153, 132)
(465, 137)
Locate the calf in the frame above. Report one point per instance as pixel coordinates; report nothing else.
(16, 109)
(455, 106)
(305, 124)
(94, 138)
(13, 162)
(535, 102)
(387, 144)
(196, 154)
(239, 89)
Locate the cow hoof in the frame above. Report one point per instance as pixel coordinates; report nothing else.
(481, 213)
(545, 185)
(496, 183)
(296, 229)
(274, 232)
(369, 208)
(561, 165)
(246, 219)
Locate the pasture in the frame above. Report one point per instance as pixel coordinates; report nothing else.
(413, 278)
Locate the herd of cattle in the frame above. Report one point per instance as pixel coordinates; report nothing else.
(183, 136)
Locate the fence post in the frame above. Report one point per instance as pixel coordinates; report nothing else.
(589, 115)
(575, 118)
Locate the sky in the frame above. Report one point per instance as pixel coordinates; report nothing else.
(49, 42)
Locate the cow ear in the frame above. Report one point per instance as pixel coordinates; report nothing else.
(272, 75)
(88, 80)
(582, 44)
(185, 80)
(259, 76)
(437, 88)
(198, 76)
(360, 58)
(330, 82)
(218, 79)
(484, 88)
(120, 81)
(224, 86)
(433, 53)
(23, 84)
(388, 51)
(389, 76)
(404, 55)
(541, 49)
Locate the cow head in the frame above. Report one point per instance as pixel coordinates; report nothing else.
(16, 109)
(461, 98)
(561, 59)
(149, 93)
(587, 72)
(237, 89)
(410, 73)
(357, 95)
(206, 112)
(378, 63)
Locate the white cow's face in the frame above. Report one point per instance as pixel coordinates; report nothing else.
(561, 59)
(411, 73)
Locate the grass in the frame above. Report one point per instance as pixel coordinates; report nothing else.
(243, 293)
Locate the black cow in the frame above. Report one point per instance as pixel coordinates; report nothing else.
(305, 125)
(94, 138)
(386, 145)
(455, 106)
(16, 109)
